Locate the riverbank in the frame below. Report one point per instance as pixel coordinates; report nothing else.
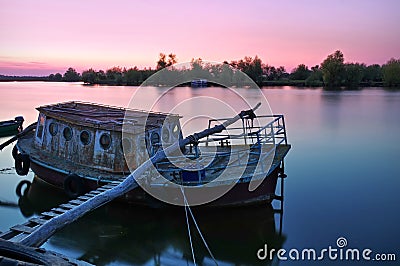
(267, 83)
(22, 78)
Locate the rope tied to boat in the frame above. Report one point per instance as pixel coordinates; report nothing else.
(247, 114)
(98, 180)
(187, 207)
(194, 139)
(190, 235)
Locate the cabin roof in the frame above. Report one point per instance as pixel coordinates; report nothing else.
(103, 116)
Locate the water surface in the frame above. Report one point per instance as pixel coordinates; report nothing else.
(343, 181)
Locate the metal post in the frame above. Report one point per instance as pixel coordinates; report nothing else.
(198, 166)
(282, 176)
(209, 125)
(244, 132)
(273, 133)
(284, 128)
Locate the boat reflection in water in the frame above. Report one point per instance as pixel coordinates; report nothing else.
(123, 234)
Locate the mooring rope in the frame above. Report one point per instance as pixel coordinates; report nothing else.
(190, 235)
(197, 226)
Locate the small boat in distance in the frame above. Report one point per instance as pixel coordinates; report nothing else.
(11, 127)
(79, 147)
(199, 83)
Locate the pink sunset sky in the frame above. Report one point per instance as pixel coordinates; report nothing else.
(46, 36)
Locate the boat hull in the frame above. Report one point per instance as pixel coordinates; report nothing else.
(238, 195)
(80, 147)
(9, 129)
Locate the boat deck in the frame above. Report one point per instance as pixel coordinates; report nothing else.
(236, 163)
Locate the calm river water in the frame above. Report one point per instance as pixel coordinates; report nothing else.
(343, 181)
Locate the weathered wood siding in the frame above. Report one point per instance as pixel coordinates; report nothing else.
(92, 154)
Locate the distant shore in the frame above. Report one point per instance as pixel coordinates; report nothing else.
(332, 73)
(269, 83)
(22, 78)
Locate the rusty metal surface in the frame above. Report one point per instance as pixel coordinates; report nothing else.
(25, 145)
(96, 121)
(102, 116)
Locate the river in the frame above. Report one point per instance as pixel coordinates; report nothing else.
(342, 182)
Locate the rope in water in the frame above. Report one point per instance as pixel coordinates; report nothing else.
(190, 236)
(197, 227)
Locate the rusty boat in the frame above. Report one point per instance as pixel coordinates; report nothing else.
(79, 146)
(10, 127)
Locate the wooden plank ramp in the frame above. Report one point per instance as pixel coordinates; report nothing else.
(18, 233)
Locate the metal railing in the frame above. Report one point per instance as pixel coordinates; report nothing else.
(270, 130)
(266, 130)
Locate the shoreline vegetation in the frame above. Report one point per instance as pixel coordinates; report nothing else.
(332, 73)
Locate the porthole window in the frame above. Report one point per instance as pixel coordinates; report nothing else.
(165, 134)
(175, 131)
(85, 137)
(126, 145)
(155, 138)
(67, 133)
(53, 129)
(105, 141)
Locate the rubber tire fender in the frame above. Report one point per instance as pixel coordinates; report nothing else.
(22, 164)
(15, 152)
(18, 189)
(74, 186)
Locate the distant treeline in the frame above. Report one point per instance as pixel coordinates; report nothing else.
(23, 78)
(332, 72)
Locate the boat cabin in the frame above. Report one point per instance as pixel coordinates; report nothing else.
(90, 134)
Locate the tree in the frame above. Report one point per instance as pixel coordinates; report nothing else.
(57, 77)
(301, 72)
(333, 69)
(133, 76)
(197, 64)
(372, 73)
(254, 68)
(171, 60)
(101, 75)
(226, 74)
(354, 73)
(163, 62)
(199, 69)
(270, 72)
(71, 75)
(89, 76)
(391, 73)
(114, 75)
(315, 78)
(281, 73)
